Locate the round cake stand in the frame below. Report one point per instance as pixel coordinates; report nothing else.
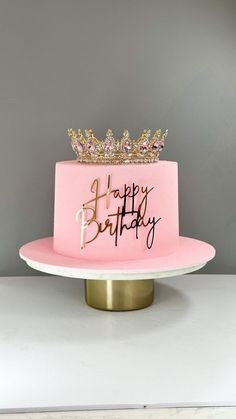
(118, 286)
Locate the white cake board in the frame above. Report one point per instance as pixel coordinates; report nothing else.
(59, 354)
(191, 255)
(103, 274)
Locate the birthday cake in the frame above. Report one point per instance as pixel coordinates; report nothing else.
(116, 201)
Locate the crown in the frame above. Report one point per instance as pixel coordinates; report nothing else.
(144, 149)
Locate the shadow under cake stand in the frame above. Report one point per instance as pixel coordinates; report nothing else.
(118, 286)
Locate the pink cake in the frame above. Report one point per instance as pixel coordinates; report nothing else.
(117, 201)
(116, 212)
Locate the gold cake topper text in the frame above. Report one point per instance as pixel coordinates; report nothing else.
(130, 214)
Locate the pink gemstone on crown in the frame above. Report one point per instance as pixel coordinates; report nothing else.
(155, 146)
(91, 146)
(79, 147)
(127, 147)
(143, 147)
(108, 146)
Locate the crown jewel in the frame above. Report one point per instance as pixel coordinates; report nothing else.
(145, 149)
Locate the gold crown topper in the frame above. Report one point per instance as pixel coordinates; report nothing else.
(145, 149)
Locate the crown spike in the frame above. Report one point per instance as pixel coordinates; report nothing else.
(165, 134)
(109, 133)
(156, 134)
(89, 133)
(143, 142)
(109, 144)
(126, 144)
(126, 134)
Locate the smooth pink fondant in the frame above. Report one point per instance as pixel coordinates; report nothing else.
(190, 253)
(73, 188)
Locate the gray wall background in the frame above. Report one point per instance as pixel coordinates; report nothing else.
(120, 64)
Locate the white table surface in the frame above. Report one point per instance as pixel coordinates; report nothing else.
(161, 413)
(57, 353)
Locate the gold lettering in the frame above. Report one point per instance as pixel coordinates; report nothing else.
(89, 212)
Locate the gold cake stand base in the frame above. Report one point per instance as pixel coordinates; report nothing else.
(119, 295)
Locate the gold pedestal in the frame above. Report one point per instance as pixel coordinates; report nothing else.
(119, 295)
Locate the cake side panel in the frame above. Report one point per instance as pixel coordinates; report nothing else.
(112, 212)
